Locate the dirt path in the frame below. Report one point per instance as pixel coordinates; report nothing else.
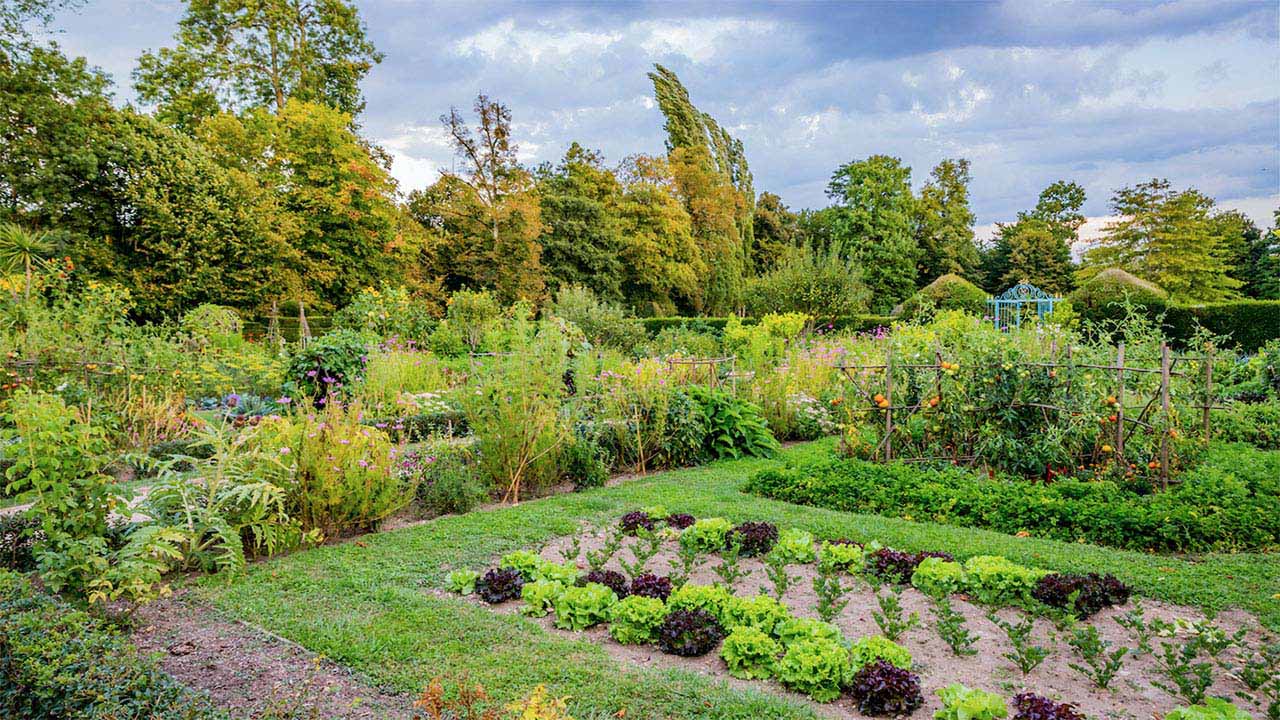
(247, 670)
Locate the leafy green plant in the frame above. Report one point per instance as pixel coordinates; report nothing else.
(1026, 655)
(1134, 620)
(775, 568)
(996, 581)
(540, 596)
(846, 556)
(689, 633)
(578, 608)
(635, 619)
(733, 428)
(795, 546)
(570, 552)
(758, 611)
(883, 689)
(750, 653)
(1101, 660)
(707, 535)
(462, 581)
(597, 559)
(795, 629)
(831, 594)
(755, 538)
(1209, 709)
(937, 578)
(563, 573)
(328, 365)
(891, 618)
(522, 561)
(817, 667)
(730, 570)
(1186, 676)
(711, 598)
(962, 703)
(684, 563)
(950, 625)
(870, 648)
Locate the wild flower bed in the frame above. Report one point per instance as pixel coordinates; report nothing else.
(880, 631)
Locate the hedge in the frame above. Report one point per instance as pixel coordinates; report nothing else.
(1248, 323)
(1229, 502)
(60, 663)
(855, 323)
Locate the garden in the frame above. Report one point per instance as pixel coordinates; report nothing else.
(570, 512)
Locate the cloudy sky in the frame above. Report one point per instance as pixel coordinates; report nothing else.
(1030, 92)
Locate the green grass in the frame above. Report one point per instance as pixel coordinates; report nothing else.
(365, 604)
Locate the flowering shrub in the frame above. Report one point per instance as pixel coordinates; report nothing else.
(498, 585)
(882, 689)
(819, 668)
(689, 633)
(327, 365)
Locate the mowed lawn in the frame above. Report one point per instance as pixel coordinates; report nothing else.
(366, 603)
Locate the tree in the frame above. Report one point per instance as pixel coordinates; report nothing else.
(819, 284)
(874, 225)
(1035, 255)
(712, 205)
(944, 228)
(1264, 263)
(240, 54)
(488, 217)
(582, 235)
(17, 16)
(1058, 211)
(1168, 237)
(776, 231)
(664, 265)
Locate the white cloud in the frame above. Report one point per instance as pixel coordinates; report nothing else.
(413, 173)
(699, 39)
(504, 41)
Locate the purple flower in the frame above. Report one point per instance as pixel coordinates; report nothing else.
(312, 373)
(284, 399)
(328, 379)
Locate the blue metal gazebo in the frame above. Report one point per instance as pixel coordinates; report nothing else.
(1008, 308)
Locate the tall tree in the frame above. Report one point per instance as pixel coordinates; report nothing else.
(776, 231)
(239, 54)
(873, 224)
(944, 229)
(1168, 237)
(1264, 263)
(1035, 255)
(1058, 211)
(712, 205)
(582, 234)
(664, 266)
(489, 212)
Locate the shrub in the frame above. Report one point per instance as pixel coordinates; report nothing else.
(651, 586)
(962, 703)
(754, 538)
(612, 579)
(819, 668)
(994, 580)
(760, 612)
(445, 478)
(871, 648)
(60, 663)
(1255, 424)
(462, 581)
(1029, 706)
(635, 619)
(707, 535)
(1210, 709)
(328, 364)
(750, 653)
(947, 292)
(883, 689)
(213, 324)
(820, 285)
(689, 633)
(584, 463)
(936, 577)
(498, 585)
(793, 630)
(390, 312)
(795, 546)
(1098, 297)
(578, 608)
(603, 324)
(540, 596)
(1091, 592)
(734, 428)
(633, 521)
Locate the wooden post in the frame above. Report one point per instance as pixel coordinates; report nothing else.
(1208, 393)
(1119, 401)
(304, 330)
(888, 412)
(1164, 405)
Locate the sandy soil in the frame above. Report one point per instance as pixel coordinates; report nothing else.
(246, 670)
(1130, 697)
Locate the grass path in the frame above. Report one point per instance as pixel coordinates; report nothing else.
(366, 603)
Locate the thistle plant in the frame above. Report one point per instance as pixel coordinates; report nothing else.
(949, 623)
(891, 617)
(1101, 660)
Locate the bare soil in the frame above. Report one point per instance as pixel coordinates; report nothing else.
(1131, 696)
(248, 671)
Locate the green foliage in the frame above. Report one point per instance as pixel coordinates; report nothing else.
(994, 580)
(604, 324)
(1210, 709)
(867, 649)
(712, 598)
(579, 608)
(1101, 660)
(565, 573)
(947, 292)
(845, 556)
(950, 625)
(750, 654)
(389, 312)
(328, 364)
(64, 664)
(822, 285)
(798, 629)
(760, 612)
(526, 562)
(937, 577)
(707, 535)
(635, 619)
(962, 703)
(1025, 654)
(944, 226)
(463, 581)
(830, 592)
(540, 596)
(818, 668)
(872, 222)
(891, 618)
(582, 238)
(446, 480)
(795, 546)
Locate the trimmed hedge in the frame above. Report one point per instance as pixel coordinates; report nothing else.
(948, 292)
(1231, 501)
(59, 663)
(854, 323)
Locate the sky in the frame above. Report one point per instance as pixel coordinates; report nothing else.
(1105, 94)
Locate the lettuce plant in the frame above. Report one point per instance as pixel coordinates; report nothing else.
(711, 598)
(680, 521)
(936, 577)
(1083, 595)
(706, 535)
(754, 538)
(897, 566)
(750, 654)
(1210, 709)
(819, 668)
(463, 581)
(565, 573)
(795, 546)
(962, 703)
(635, 619)
(794, 630)
(539, 596)
(527, 563)
(651, 586)
(578, 608)
(689, 633)
(871, 648)
(841, 555)
(633, 521)
(882, 689)
(994, 580)
(1029, 706)
(612, 579)
(760, 612)
(500, 585)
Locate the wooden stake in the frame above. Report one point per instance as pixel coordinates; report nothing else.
(888, 412)
(1120, 401)
(1208, 393)
(1164, 426)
